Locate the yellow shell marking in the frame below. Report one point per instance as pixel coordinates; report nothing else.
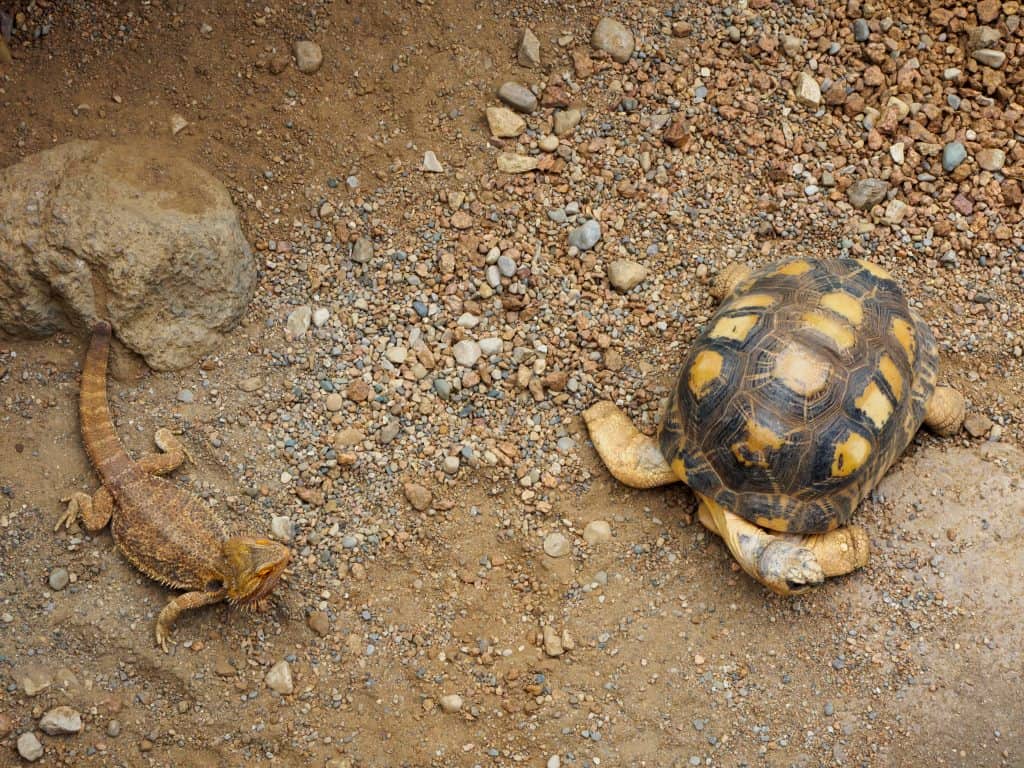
(904, 333)
(850, 455)
(760, 439)
(879, 272)
(779, 524)
(705, 369)
(844, 305)
(793, 268)
(679, 467)
(801, 370)
(735, 328)
(874, 404)
(892, 376)
(838, 332)
(752, 301)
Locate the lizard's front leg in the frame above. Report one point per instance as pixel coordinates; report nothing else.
(94, 511)
(182, 603)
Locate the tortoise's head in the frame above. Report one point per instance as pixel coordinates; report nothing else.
(254, 566)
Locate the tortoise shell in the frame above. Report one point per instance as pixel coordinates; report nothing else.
(801, 391)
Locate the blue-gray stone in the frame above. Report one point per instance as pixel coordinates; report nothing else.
(585, 236)
(953, 154)
(861, 32)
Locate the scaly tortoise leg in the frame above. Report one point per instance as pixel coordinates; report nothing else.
(944, 413)
(94, 511)
(632, 457)
(177, 606)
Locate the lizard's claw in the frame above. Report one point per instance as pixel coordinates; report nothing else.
(162, 636)
(70, 514)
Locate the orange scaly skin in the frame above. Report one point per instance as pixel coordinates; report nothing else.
(166, 532)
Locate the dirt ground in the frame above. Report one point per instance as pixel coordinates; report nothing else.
(676, 658)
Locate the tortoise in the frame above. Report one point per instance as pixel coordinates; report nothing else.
(804, 387)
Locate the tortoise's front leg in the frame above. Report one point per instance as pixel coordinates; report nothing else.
(728, 278)
(944, 414)
(177, 606)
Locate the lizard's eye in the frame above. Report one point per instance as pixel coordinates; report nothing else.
(214, 585)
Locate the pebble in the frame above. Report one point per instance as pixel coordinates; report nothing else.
(396, 355)
(251, 384)
(625, 275)
(565, 121)
(977, 424)
(897, 152)
(517, 96)
(808, 92)
(614, 38)
(556, 545)
(431, 164)
(861, 31)
(308, 56)
(953, 154)
(114, 728)
(597, 532)
(298, 321)
(279, 678)
(864, 194)
(186, 396)
(466, 352)
(6, 725)
(491, 345)
(178, 124)
(553, 646)
(362, 251)
(60, 721)
(29, 747)
(991, 159)
(586, 236)
(989, 57)
(418, 496)
(320, 316)
(548, 143)
(319, 623)
(59, 578)
(554, 762)
(334, 402)
(451, 703)
(504, 123)
(282, 528)
(528, 49)
(510, 162)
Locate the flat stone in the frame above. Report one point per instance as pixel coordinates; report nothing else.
(178, 124)
(334, 402)
(977, 424)
(614, 38)
(347, 438)
(504, 123)
(34, 679)
(362, 251)
(989, 57)
(895, 211)
(808, 92)
(466, 353)
(418, 496)
(282, 528)
(981, 37)
(396, 355)
(251, 384)
(586, 236)
(61, 721)
(517, 96)
(308, 56)
(298, 321)
(319, 623)
(548, 143)
(991, 159)
(29, 747)
(431, 164)
(528, 49)
(279, 678)
(556, 545)
(565, 121)
(988, 10)
(552, 642)
(863, 194)
(625, 275)
(953, 154)
(597, 532)
(451, 703)
(491, 345)
(861, 31)
(509, 162)
(59, 578)
(320, 316)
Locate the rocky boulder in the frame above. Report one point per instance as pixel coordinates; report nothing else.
(128, 233)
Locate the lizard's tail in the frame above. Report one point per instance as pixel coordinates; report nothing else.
(101, 442)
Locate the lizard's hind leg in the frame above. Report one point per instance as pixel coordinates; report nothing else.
(173, 454)
(94, 511)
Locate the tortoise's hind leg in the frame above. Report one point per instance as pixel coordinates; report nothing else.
(632, 457)
(944, 414)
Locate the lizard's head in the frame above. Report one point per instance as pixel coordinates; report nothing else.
(254, 567)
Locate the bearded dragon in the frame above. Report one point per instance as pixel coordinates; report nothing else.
(163, 530)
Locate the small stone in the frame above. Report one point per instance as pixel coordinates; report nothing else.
(347, 438)
(319, 623)
(59, 579)
(279, 63)
(466, 353)
(861, 31)
(895, 211)
(991, 159)
(517, 96)
(279, 678)
(114, 729)
(586, 236)
(808, 92)
(282, 528)
(6, 725)
(554, 762)
(863, 194)
(298, 322)
(509, 162)
(362, 251)
(504, 123)
(677, 134)
(251, 384)
(552, 642)
(35, 679)
(953, 154)
(396, 355)
(625, 275)
(977, 424)
(308, 56)
(981, 36)
(898, 152)
(528, 49)
(451, 703)
(450, 465)
(565, 121)
(612, 37)
(186, 396)
(178, 124)
(320, 316)
(29, 747)
(334, 402)
(556, 545)
(431, 164)
(60, 721)
(491, 345)
(548, 143)
(418, 496)
(597, 532)
(989, 57)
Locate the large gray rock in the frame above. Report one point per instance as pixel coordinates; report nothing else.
(128, 233)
